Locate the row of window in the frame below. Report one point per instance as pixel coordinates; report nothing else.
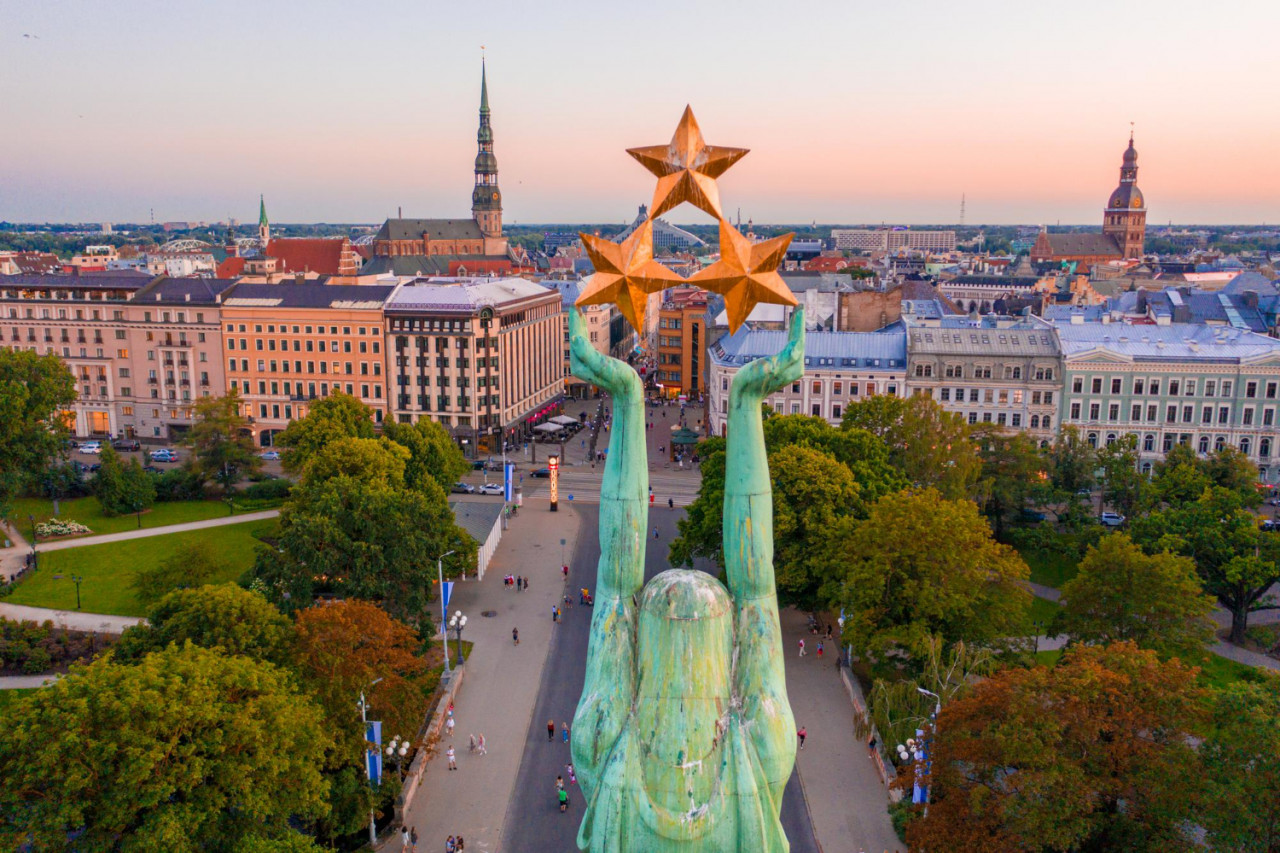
(347, 367)
(298, 392)
(1000, 396)
(270, 345)
(423, 401)
(983, 371)
(1148, 442)
(302, 330)
(1186, 414)
(1176, 387)
(443, 345)
(96, 314)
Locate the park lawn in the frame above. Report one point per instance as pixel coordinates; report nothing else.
(1049, 568)
(1042, 610)
(88, 512)
(109, 569)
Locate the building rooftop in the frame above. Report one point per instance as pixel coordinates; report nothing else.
(986, 335)
(861, 350)
(202, 291)
(306, 254)
(1176, 342)
(476, 517)
(436, 229)
(108, 280)
(307, 295)
(462, 294)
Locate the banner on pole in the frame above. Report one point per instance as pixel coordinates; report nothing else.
(373, 757)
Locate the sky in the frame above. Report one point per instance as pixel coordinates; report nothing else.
(854, 111)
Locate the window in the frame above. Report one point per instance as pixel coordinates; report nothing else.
(1251, 389)
(1138, 386)
(1000, 418)
(1115, 386)
(1271, 390)
(1043, 373)
(1155, 387)
(1035, 421)
(1173, 386)
(945, 396)
(1095, 411)
(973, 395)
(1268, 417)
(1224, 414)
(816, 387)
(973, 417)
(1077, 385)
(837, 388)
(1188, 414)
(1245, 446)
(1149, 443)
(1092, 439)
(1097, 385)
(1206, 416)
(1247, 417)
(1135, 412)
(1264, 447)
(1075, 411)
(1210, 387)
(924, 370)
(1167, 444)
(1226, 388)
(1113, 412)
(1204, 444)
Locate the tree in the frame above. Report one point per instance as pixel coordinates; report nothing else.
(1241, 757)
(922, 566)
(364, 540)
(341, 648)
(1154, 600)
(108, 483)
(1228, 468)
(181, 751)
(812, 491)
(138, 488)
(194, 563)
(220, 441)
(932, 447)
(1237, 562)
(701, 531)
(1122, 483)
(36, 392)
(1013, 476)
(432, 453)
(331, 418)
(369, 460)
(222, 616)
(1090, 755)
(1179, 478)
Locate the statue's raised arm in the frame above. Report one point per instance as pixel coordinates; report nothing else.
(748, 552)
(610, 678)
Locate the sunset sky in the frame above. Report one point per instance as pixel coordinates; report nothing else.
(854, 111)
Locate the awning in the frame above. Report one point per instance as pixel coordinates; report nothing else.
(548, 428)
(564, 420)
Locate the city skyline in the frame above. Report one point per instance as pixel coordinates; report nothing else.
(863, 115)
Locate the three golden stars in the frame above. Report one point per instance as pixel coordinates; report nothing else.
(687, 169)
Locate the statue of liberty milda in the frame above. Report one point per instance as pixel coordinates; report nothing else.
(683, 738)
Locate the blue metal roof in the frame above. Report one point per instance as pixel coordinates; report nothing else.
(863, 350)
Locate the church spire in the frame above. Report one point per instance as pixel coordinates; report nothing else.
(264, 227)
(486, 198)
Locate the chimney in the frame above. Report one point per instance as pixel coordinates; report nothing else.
(186, 297)
(299, 277)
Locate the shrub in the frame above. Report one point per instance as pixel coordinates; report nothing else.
(38, 661)
(192, 565)
(60, 527)
(267, 490)
(178, 485)
(902, 814)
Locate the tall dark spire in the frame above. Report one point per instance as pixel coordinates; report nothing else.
(486, 198)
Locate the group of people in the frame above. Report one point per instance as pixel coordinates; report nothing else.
(517, 581)
(562, 795)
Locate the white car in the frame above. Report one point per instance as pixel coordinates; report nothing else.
(163, 455)
(1111, 519)
(270, 455)
(91, 447)
(492, 489)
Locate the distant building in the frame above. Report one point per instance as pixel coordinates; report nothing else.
(682, 342)
(887, 240)
(667, 238)
(607, 330)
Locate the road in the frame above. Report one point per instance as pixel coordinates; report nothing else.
(533, 820)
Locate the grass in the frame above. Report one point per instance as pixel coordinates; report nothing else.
(1043, 611)
(1215, 671)
(1050, 569)
(108, 570)
(88, 512)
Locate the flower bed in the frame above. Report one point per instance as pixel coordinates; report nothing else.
(58, 527)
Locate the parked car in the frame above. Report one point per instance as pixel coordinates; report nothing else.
(1273, 502)
(1032, 516)
(91, 447)
(164, 454)
(541, 473)
(492, 489)
(1084, 493)
(1111, 519)
(477, 465)
(151, 469)
(93, 469)
(1270, 524)
(127, 445)
(72, 443)
(463, 489)
(270, 455)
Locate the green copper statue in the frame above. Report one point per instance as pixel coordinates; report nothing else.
(683, 739)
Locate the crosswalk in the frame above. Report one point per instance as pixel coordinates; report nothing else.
(584, 486)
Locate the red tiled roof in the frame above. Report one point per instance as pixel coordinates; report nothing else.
(37, 263)
(475, 266)
(230, 267)
(318, 255)
(824, 264)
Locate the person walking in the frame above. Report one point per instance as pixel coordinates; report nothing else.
(461, 845)
(559, 783)
(802, 647)
(413, 839)
(671, 503)
(655, 533)
(519, 585)
(453, 758)
(563, 796)
(802, 734)
(404, 839)
(450, 846)
(819, 649)
(564, 732)
(472, 743)
(565, 571)
(573, 777)
(480, 747)
(525, 581)
(515, 636)
(551, 730)
(448, 726)
(871, 745)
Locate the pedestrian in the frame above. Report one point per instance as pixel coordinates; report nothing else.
(526, 583)
(655, 533)
(551, 730)
(573, 777)
(671, 503)
(462, 845)
(559, 783)
(555, 613)
(820, 650)
(564, 801)
(483, 750)
(828, 633)
(564, 570)
(472, 743)
(802, 734)
(448, 726)
(515, 636)
(453, 758)
(871, 745)
(413, 839)
(404, 839)
(450, 845)
(518, 583)
(564, 732)
(802, 647)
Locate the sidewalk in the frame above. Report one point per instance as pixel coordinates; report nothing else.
(847, 801)
(73, 619)
(500, 690)
(126, 535)
(26, 682)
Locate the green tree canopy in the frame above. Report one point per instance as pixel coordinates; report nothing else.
(223, 616)
(1013, 476)
(812, 491)
(331, 418)
(364, 540)
(108, 483)
(922, 566)
(930, 446)
(1123, 486)
(369, 460)
(36, 392)
(1242, 768)
(1122, 593)
(194, 564)
(181, 751)
(432, 453)
(1179, 478)
(221, 445)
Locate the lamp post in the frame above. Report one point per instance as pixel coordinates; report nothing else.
(444, 614)
(76, 579)
(35, 538)
(364, 719)
(398, 749)
(923, 763)
(457, 623)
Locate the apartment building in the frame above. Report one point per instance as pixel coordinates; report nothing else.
(840, 368)
(682, 343)
(997, 370)
(885, 240)
(286, 345)
(1204, 386)
(482, 357)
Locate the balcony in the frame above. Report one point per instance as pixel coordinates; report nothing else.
(186, 383)
(151, 380)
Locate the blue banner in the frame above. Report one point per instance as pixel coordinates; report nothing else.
(373, 757)
(508, 482)
(445, 595)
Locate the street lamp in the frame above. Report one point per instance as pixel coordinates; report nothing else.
(444, 613)
(398, 749)
(76, 579)
(35, 538)
(364, 719)
(457, 623)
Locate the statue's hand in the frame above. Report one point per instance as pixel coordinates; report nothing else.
(766, 375)
(586, 362)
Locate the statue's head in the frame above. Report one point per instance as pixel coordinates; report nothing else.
(684, 657)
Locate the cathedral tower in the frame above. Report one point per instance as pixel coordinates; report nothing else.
(1125, 218)
(486, 199)
(264, 227)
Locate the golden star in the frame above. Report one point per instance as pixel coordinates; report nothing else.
(626, 273)
(687, 168)
(746, 274)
